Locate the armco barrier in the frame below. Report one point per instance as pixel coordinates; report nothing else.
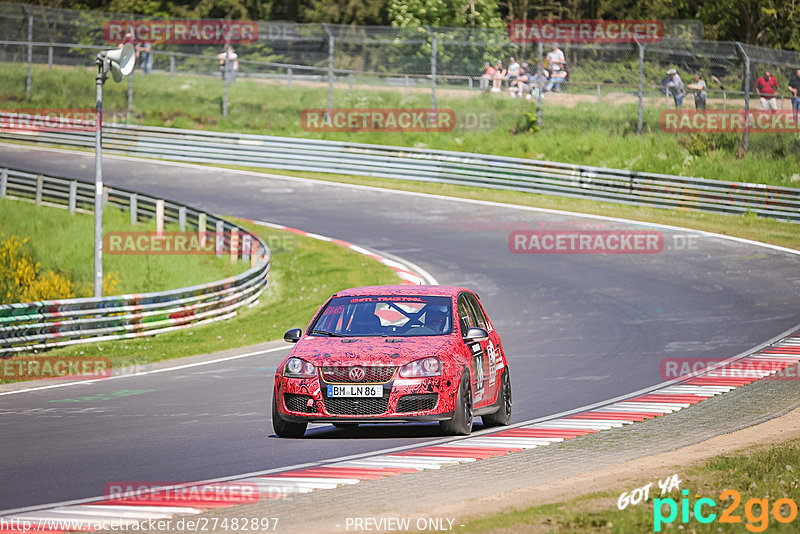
(41, 325)
(498, 172)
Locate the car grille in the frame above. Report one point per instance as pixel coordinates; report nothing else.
(298, 403)
(417, 403)
(372, 374)
(360, 406)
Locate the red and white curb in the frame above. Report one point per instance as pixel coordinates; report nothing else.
(409, 273)
(669, 398)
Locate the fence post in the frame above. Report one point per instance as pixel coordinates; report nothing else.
(406, 79)
(234, 245)
(247, 241)
(746, 95)
(289, 80)
(73, 196)
(39, 187)
(201, 229)
(50, 57)
(182, 218)
(350, 77)
(134, 209)
(30, 51)
(540, 52)
(220, 238)
(3, 183)
(469, 81)
(254, 254)
(171, 65)
(641, 87)
(434, 53)
(331, 49)
(159, 217)
(724, 99)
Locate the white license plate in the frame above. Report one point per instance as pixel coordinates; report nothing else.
(355, 390)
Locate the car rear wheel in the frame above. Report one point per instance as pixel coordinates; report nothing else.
(501, 417)
(461, 423)
(284, 428)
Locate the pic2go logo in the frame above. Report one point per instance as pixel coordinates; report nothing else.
(756, 511)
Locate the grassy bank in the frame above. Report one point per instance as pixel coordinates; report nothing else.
(303, 274)
(64, 243)
(576, 129)
(766, 473)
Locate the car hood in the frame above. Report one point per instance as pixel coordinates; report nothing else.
(321, 350)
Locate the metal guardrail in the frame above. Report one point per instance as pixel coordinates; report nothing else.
(46, 324)
(461, 168)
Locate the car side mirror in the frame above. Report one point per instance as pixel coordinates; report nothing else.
(476, 334)
(293, 335)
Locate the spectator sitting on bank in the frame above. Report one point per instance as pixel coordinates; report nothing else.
(487, 76)
(539, 80)
(513, 71)
(557, 77)
(699, 88)
(228, 61)
(521, 85)
(499, 76)
(555, 60)
(675, 87)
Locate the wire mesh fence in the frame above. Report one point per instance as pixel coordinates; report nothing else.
(450, 62)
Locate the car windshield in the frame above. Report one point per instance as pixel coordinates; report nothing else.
(379, 315)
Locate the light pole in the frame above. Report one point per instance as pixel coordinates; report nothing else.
(120, 62)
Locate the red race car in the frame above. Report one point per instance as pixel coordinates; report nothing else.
(394, 354)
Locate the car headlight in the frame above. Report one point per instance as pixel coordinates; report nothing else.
(297, 368)
(421, 368)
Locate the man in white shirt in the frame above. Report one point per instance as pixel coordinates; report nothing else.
(555, 59)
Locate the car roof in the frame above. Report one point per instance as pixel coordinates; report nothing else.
(444, 291)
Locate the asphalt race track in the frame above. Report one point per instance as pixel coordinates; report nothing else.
(578, 329)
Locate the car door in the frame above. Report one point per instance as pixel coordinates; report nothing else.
(469, 318)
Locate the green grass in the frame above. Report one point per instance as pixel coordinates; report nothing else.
(65, 243)
(748, 226)
(588, 133)
(304, 273)
(763, 472)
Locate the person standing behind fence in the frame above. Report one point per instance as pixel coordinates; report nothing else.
(229, 61)
(794, 88)
(144, 53)
(487, 76)
(699, 88)
(675, 87)
(767, 86)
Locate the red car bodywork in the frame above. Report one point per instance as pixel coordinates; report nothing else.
(434, 398)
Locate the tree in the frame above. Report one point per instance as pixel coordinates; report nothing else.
(454, 13)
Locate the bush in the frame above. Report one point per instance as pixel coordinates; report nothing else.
(527, 123)
(20, 279)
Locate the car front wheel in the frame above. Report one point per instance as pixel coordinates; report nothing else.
(461, 423)
(284, 428)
